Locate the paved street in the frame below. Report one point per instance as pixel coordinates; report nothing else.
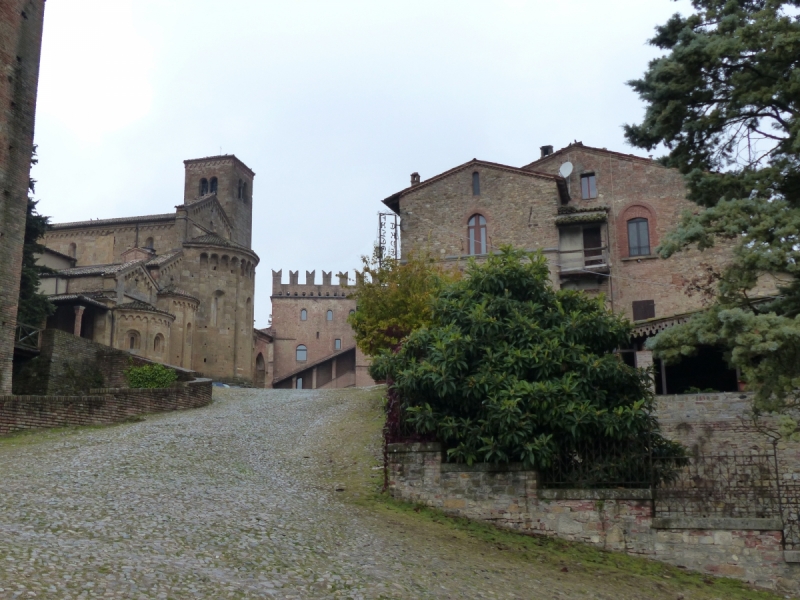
(239, 500)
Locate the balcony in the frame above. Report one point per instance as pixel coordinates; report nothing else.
(583, 261)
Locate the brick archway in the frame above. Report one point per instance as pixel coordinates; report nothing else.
(636, 210)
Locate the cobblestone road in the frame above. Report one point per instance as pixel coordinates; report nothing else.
(237, 500)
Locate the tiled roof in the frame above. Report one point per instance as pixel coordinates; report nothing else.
(392, 201)
(212, 239)
(220, 157)
(159, 260)
(117, 221)
(580, 146)
(176, 291)
(93, 270)
(85, 298)
(139, 305)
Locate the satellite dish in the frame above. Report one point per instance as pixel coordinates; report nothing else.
(566, 169)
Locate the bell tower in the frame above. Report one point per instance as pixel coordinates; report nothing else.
(231, 181)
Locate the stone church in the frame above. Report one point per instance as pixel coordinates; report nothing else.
(177, 288)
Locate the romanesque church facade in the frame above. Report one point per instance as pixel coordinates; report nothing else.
(177, 288)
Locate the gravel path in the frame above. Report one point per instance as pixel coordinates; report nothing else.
(237, 500)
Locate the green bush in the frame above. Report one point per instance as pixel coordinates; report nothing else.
(512, 370)
(150, 376)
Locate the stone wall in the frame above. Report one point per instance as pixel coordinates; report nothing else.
(104, 406)
(621, 520)
(68, 365)
(20, 47)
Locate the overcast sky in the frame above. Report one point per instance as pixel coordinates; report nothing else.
(332, 103)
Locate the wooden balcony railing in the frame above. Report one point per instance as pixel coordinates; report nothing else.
(592, 260)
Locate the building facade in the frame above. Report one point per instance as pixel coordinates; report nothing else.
(313, 344)
(597, 216)
(177, 287)
(21, 24)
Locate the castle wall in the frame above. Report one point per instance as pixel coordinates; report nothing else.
(316, 333)
(20, 47)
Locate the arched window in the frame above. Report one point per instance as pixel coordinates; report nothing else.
(239, 190)
(213, 185)
(329, 315)
(73, 250)
(203, 186)
(476, 184)
(244, 192)
(302, 353)
(132, 339)
(476, 234)
(303, 314)
(638, 237)
(158, 344)
(260, 365)
(149, 243)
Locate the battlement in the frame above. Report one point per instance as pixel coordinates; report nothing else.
(310, 288)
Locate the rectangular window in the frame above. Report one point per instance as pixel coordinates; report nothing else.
(588, 186)
(337, 345)
(638, 237)
(644, 309)
(592, 246)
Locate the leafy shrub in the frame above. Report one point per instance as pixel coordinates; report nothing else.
(512, 370)
(150, 376)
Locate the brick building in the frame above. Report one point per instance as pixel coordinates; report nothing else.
(20, 47)
(597, 225)
(313, 344)
(177, 287)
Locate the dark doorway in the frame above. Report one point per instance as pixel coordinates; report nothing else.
(705, 372)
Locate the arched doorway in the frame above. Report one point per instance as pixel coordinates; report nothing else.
(261, 370)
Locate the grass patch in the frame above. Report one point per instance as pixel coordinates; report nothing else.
(353, 466)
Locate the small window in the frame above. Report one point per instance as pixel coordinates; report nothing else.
(476, 184)
(337, 344)
(588, 186)
(132, 340)
(244, 192)
(302, 353)
(149, 243)
(303, 315)
(638, 237)
(476, 234)
(239, 190)
(644, 309)
(329, 315)
(213, 185)
(158, 344)
(203, 186)
(299, 384)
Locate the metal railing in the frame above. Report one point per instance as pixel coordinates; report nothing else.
(28, 337)
(593, 259)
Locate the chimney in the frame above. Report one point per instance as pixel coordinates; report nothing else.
(414, 178)
(546, 151)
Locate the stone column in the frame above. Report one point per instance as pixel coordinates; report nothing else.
(78, 320)
(314, 378)
(333, 372)
(644, 360)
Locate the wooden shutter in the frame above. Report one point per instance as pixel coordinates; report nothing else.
(644, 309)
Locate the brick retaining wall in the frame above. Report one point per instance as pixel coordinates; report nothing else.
(104, 406)
(622, 520)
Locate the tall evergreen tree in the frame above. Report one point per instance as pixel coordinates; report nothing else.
(34, 307)
(725, 102)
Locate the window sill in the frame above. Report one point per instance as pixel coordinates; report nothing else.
(640, 258)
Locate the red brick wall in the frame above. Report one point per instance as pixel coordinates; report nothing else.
(20, 46)
(104, 406)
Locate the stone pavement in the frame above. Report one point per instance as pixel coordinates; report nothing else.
(238, 500)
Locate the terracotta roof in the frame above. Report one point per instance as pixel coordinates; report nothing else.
(143, 306)
(93, 270)
(117, 221)
(81, 298)
(392, 201)
(159, 260)
(176, 291)
(580, 146)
